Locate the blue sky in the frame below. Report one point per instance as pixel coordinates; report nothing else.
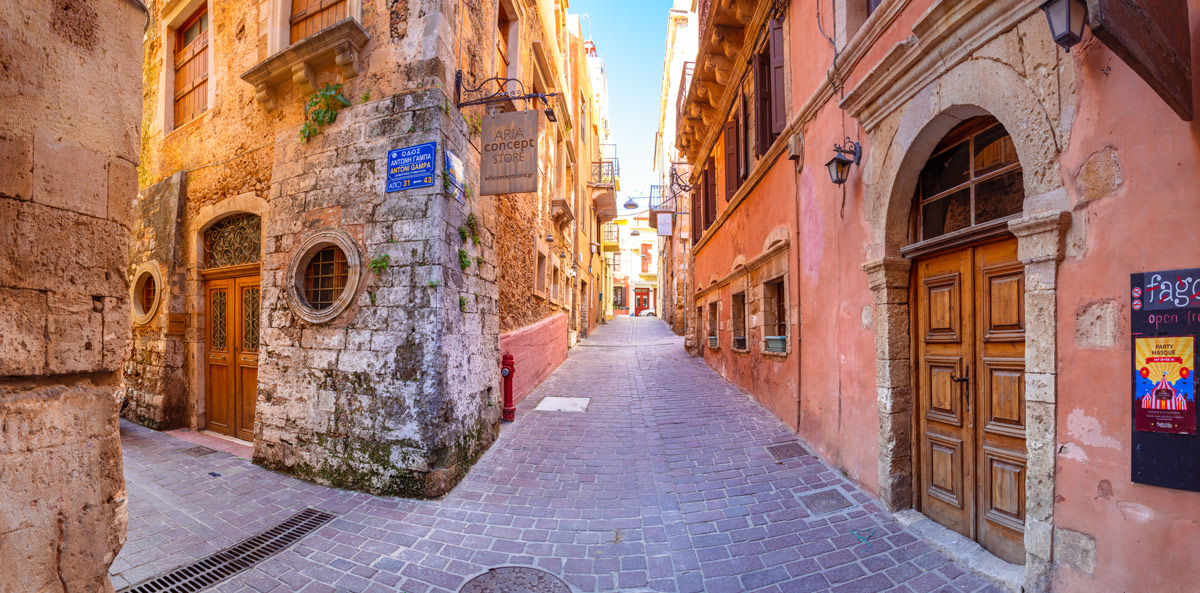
(631, 35)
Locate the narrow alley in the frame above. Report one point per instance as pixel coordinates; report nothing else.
(664, 483)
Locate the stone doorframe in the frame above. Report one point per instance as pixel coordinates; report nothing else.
(1036, 110)
(194, 305)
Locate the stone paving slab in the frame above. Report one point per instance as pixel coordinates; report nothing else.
(663, 484)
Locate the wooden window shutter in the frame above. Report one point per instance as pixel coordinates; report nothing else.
(762, 103)
(778, 79)
(731, 160)
(743, 133)
(191, 69)
(312, 16)
(695, 215)
(710, 192)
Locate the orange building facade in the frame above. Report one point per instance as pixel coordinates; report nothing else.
(950, 325)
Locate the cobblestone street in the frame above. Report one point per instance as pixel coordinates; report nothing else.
(664, 483)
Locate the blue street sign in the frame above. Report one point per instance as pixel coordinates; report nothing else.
(411, 167)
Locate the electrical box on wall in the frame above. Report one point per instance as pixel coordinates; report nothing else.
(1164, 324)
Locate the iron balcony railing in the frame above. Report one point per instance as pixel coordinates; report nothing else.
(685, 82)
(656, 197)
(610, 233)
(606, 172)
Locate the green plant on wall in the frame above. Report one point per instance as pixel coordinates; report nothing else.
(464, 259)
(379, 264)
(473, 227)
(463, 233)
(322, 109)
(462, 303)
(474, 124)
(365, 97)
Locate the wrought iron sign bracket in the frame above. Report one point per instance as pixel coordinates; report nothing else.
(497, 97)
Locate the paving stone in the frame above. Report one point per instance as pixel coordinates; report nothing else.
(663, 484)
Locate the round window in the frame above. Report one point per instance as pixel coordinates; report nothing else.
(323, 277)
(146, 292)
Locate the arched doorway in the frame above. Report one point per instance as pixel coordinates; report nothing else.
(968, 338)
(230, 270)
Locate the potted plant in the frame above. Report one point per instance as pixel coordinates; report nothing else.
(776, 343)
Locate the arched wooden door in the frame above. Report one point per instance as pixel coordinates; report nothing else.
(969, 340)
(232, 298)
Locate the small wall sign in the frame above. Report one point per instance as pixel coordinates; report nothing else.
(455, 176)
(509, 161)
(1164, 315)
(176, 324)
(411, 167)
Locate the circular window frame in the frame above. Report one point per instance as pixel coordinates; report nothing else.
(295, 277)
(148, 270)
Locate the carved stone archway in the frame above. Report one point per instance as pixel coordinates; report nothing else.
(1035, 108)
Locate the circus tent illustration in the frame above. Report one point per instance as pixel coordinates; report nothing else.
(1164, 397)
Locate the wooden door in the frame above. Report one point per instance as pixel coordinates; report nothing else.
(232, 355)
(970, 345)
(641, 300)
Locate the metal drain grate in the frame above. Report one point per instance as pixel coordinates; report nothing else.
(515, 579)
(787, 451)
(209, 571)
(824, 502)
(198, 451)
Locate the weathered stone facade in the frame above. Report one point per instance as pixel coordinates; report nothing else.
(69, 75)
(394, 386)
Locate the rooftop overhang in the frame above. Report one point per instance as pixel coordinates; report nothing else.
(605, 199)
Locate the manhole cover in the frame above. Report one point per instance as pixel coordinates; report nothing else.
(563, 404)
(787, 451)
(827, 501)
(515, 579)
(199, 451)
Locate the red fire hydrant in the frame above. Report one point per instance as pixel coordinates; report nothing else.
(507, 368)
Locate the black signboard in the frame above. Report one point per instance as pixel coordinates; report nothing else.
(1164, 327)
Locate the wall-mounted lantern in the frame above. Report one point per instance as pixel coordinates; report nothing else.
(839, 165)
(630, 204)
(550, 114)
(1066, 19)
(634, 233)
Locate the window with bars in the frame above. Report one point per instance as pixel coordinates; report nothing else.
(191, 68)
(325, 277)
(146, 295)
(739, 320)
(311, 16)
(973, 177)
(619, 297)
(774, 308)
(233, 240)
(713, 337)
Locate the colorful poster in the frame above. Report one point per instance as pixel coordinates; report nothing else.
(1165, 386)
(455, 177)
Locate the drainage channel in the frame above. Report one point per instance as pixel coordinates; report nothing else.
(214, 569)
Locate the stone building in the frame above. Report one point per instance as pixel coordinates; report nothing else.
(308, 274)
(70, 82)
(671, 168)
(961, 291)
(551, 277)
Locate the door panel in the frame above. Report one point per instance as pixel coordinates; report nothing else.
(970, 322)
(232, 336)
(945, 426)
(1000, 355)
(220, 402)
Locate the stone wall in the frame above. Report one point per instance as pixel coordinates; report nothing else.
(68, 157)
(398, 393)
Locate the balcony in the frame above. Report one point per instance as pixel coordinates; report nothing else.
(605, 181)
(685, 82)
(610, 239)
(337, 44)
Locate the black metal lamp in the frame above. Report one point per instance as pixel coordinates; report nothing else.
(1066, 19)
(634, 233)
(550, 114)
(630, 204)
(839, 165)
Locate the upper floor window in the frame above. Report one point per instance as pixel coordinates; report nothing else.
(191, 67)
(972, 178)
(508, 44)
(311, 16)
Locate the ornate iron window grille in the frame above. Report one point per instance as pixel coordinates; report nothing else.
(232, 241)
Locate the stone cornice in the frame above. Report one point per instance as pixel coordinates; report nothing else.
(947, 34)
(887, 272)
(339, 43)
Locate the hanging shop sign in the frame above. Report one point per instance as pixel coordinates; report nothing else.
(455, 177)
(664, 223)
(411, 167)
(1164, 322)
(1153, 38)
(509, 162)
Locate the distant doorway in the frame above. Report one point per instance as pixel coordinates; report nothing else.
(641, 300)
